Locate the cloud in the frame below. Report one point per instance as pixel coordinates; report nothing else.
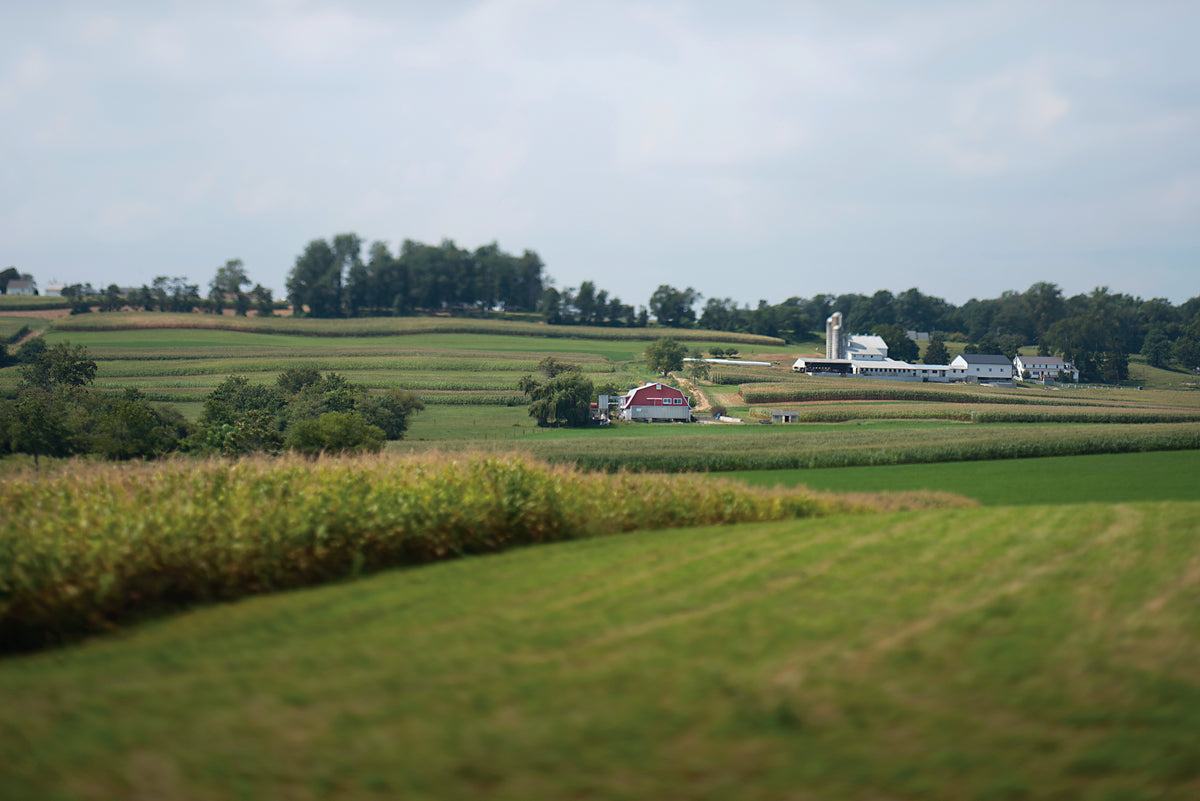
(1001, 122)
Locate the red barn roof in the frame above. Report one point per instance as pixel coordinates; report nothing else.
(653, 395)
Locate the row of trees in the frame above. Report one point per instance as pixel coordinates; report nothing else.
(55, 413)
(175, 294)
(331, 279)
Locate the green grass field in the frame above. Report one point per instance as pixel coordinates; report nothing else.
(1099, 478)
(1040, 652)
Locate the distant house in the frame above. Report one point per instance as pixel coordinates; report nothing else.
(779, 416)
(655, 403)
(22, 286)
(1039, 367)
(984, 367)
(54, 289)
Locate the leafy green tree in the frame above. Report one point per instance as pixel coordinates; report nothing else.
(61, 365)
(936, 353)
(235, 397)
(252, 431)
(335, 432)
(1156, 348)
(175, 294)
(128, 426)
(665, 355)
(899, 346)
(1010, 346)
(673, 307)
(562, 397)
(264, 304)
(229, 279)
(29, 350)
(315, 283)
(1187, 351)
(39, 422)
(1092, 345)
(112, 300)
(77, 295)
(391, 411)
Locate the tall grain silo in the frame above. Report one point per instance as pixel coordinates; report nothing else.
(835, 344)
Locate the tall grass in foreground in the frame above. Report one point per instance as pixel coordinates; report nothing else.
(92, 544)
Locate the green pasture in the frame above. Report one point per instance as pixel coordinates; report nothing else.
(1097, 478)
(1036, 652)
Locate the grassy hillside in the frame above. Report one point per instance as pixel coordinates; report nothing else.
(1020, 653)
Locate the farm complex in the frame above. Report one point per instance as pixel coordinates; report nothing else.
(867, 356)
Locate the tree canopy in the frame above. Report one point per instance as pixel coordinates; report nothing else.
(561, 396)
(665, 355)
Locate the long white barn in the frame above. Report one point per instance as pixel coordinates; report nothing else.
(867, 356)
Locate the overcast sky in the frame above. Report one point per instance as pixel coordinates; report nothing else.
(749, 150)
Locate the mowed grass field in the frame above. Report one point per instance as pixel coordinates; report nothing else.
(1099, 478)
(1038, 652)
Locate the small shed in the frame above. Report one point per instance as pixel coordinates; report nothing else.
(778, 416)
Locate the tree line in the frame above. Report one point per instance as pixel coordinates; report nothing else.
(56, 413)
(331, 278)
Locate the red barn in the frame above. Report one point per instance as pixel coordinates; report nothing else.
(653, 402)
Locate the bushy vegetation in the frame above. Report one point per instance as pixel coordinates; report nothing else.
(91, 544)
(55, 414)
(561, 396)
(304, 411)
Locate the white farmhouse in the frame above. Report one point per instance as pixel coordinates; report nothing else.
(22, 286)
(984, 367)
(1040, 367)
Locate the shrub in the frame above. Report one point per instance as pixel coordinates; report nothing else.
(335, 432)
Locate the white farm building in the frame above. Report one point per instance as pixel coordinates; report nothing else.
(867, 356)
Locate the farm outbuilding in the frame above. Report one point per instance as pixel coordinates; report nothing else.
(655, 403)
